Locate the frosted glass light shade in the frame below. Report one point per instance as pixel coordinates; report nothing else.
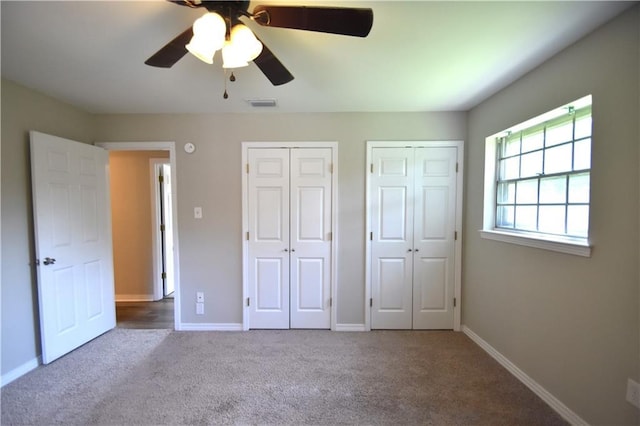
(208, 36)
(246, 42)
(232, 56)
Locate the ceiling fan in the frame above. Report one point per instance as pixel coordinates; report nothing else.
(335, 20)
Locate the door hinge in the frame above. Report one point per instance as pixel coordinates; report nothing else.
(162, 228)
(455, 235)
(371, 302)
(456, 167)
(331, 168)
(247, 168)
(248, 301)
(371, 167)
(247, 235)
(160, 178)
(454, 302)
(371, 236)
(164, 275)
(330, 236)
(330, 301)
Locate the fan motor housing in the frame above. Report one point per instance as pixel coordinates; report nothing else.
(223, 7)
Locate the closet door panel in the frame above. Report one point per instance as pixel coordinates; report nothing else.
(268, 212)
(434, 237)
(391, 194)
(310, 237)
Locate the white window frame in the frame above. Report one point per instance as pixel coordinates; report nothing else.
(563, 244)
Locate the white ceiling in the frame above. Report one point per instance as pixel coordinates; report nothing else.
(419, 56)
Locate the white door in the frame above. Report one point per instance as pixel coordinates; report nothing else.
(72, 243)
(310, 233)
(289, 249)
(392, 237)
(167, 221)
(268, 208)
(413, 218)
(434, 237)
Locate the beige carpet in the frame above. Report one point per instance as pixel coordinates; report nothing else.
(274, 377)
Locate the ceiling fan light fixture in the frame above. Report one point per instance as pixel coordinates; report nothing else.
(208, 36)
(242, 37)
(232, 56)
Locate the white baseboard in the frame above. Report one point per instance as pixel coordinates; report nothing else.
(350, 327)
(197, 326)
(544, 394)
(20, 371)
(135, 298)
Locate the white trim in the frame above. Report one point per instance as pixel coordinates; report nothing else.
(458, 221)
(569, 247)
(171, 147)
(334, 221)
(135, 298)
(20, 371)
(350, 327)
(535, 387)
(199, 326)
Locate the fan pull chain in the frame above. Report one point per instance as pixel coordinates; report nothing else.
(225, 95)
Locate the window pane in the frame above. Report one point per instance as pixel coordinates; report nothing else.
(557, 159)
(559, 133)
(553, 190)
(582, 155)
(578, 221)
(509, 168)
(551, 219)
(531, 164)
(527, 192)
(510, 146)
(579, 188)
(526, 217)
(583, 127)
(504, 217)
(507, 193)
(532, 141)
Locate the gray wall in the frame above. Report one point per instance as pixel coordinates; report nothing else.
(24, 110)
(571, 323)
(211, 248)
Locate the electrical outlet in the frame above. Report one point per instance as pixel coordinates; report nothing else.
(199, 308)
(633, 393)
(200, 296)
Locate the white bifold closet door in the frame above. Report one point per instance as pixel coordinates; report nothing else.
(413, 212)
(289, 249)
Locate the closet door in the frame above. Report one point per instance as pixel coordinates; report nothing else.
(310, 234)
(391, 186)
(289, 194)
(268, 248)
(434, 241)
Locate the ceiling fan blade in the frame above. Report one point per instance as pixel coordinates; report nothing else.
(271, 67)
(335, 20)
(172, 52)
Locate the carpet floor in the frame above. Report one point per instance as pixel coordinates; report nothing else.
(164, 377)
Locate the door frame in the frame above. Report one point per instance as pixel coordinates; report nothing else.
(458, 219)
(334, 223)
(171, 147)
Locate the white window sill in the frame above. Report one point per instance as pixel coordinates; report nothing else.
(568, 246)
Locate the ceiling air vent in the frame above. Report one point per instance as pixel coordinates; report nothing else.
(262, 103)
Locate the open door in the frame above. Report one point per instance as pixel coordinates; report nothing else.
(72, 242)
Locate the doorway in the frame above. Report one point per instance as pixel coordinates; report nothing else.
(140, 300)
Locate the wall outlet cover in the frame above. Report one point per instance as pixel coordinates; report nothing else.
(633, 393)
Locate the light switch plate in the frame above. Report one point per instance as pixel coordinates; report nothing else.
(197, 212)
